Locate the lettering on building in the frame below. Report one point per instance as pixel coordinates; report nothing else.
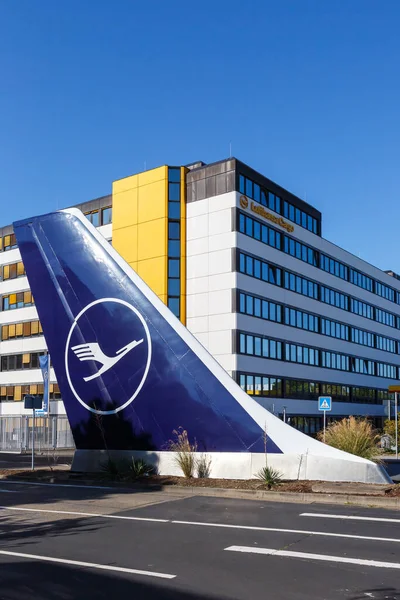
(262, 212)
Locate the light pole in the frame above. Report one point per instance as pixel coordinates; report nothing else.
(396, 389)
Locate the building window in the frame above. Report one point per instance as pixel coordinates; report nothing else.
(16, 362)
(273, 202)
(13, 271)
(106, 215)
(18, 330)
(93, 217)
(18, 300)
(9, 242)
(174, 239)
(264, 347)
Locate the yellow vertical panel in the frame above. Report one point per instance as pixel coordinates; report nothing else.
(33, 389)
(6, 272)
(152, 240)
(151, 201)
(124, 184)
(151, 271)
(17, 393)
(133, 265)
(11, 330)
(124, 208)
(153, 175)
(20, 268)
(125, 241)
(19, 329)
(26, 358)
(183, 246)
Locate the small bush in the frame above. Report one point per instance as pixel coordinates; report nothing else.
(203, 466)
(356, 436)
(140, 468)
(184, 452)
(269, 476)
(111, 469)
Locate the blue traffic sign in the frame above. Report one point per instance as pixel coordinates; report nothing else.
(325, 403)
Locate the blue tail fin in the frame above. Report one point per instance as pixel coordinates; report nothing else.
(129, 372)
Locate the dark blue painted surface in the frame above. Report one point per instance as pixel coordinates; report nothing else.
(68, 269)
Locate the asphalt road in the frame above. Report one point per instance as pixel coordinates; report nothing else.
(101, 543)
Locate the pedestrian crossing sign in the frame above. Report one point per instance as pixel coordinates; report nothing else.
(325, 403)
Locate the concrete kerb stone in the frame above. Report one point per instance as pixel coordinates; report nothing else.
(293, 497)
(267, 496)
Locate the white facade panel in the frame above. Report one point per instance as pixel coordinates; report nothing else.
(24, 377)
(21, 345)
(195, 247)
(197, 266)
(9, 286)
(198, 324)
(197, 227)
(10, 256)
(18, 315)
(197, 285)
(220, 262)
(220, 342)
(220, 302)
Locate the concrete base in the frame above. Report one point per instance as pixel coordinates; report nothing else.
(235, 465)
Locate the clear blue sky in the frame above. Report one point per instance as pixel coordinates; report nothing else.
(307, 91)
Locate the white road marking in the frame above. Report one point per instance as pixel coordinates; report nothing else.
(82, 514)
(199, 523)
(78, 563)
(8, 491)
(275, 529)
(350, 517)
(61, 485)
(323, 557)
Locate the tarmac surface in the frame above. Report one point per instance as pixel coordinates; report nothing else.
(73, 541)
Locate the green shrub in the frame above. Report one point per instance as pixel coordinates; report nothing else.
(111, 469)
(269, 476)
(353, 435)
(184, 451)
(139, 468)
(203, 466)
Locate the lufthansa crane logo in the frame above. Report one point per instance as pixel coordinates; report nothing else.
(109, 365)
(95, 353)
(244, 202)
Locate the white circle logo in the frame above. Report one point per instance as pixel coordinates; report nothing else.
(107, 331)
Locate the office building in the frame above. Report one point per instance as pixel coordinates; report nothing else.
(243, 264)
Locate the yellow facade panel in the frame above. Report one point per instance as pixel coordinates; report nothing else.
(124, 209)
(125, 241)
(152, 272)
(127, 183)
(152, 203)
(152, 240)
(147, 177)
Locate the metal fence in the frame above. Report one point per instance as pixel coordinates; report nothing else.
(50, 433)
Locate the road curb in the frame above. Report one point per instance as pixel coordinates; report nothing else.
(266, 496)
(293, 497)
